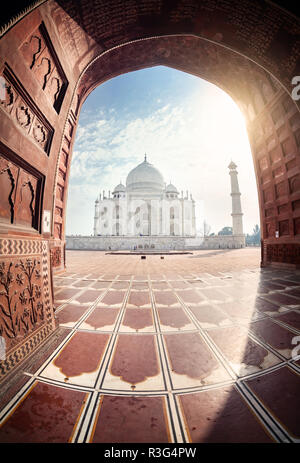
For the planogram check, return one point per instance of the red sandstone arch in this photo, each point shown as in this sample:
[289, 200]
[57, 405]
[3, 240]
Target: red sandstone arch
[53, 56]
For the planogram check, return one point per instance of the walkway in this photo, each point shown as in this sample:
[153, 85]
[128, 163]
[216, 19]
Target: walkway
[189, 348]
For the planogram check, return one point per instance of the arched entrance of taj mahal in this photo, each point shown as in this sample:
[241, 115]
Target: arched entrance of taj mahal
[53, 54]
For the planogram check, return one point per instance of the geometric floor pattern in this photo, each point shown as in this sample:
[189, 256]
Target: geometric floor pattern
[164, 350]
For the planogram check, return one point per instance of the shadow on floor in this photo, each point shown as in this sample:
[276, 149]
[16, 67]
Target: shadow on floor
[210, 254]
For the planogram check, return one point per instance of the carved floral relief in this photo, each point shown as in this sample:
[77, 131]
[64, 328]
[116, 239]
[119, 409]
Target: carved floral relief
[21, 301]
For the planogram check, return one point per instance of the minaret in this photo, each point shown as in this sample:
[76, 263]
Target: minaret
[237, 215]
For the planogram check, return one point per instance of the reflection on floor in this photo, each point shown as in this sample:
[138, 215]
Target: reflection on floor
[173, 350]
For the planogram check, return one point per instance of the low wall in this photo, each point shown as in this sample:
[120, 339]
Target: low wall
[114, 243]
[224, 242]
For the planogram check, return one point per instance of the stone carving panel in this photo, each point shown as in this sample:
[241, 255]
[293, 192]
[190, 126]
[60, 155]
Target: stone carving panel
[268, 195]
[26, 315]
[8, 176]
[55, 256]
[20, 191]
[270, 229]
[25, 199]
[21, 305]
[283, 227]
[281, 189]
[25, 113]
[58, 230]
[42, 59]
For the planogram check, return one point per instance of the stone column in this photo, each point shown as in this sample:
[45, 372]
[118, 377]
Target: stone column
[237, 215]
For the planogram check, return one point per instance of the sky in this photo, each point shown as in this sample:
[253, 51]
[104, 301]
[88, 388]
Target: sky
[190, 130]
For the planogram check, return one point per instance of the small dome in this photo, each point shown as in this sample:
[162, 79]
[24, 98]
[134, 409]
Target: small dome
[145, 176]
[171, 189]
[119, 188]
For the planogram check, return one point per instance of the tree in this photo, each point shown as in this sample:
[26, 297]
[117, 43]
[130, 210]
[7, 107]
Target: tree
[254, 239]
[256, 235]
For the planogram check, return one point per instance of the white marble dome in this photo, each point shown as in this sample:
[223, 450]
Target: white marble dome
[171, 189]
[119, 188]
[145, 177]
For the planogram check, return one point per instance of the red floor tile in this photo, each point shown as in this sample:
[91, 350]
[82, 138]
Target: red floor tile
[88, 296]
[113, 298]
[208, 315]
[239, 310]
[82, 354]
[294, 292]
[221, 416]
[131, 419]
[173, 317]
[262, 305]
[82, 283]
[239, 349]
[291, 318]
[101, 284]
[120, 285]
[160, 285]
[166, 298]
[137, 319]
[140, 286]
[285, 283]
[275, 335]
[47, 414]
[129, 358]
[213, 294]
[101, 317]
[139, 299]
[189, 355]
[283, 299]
[67, 293]
[279, 392]
[179, 285]
[71, 313]
[190, 296]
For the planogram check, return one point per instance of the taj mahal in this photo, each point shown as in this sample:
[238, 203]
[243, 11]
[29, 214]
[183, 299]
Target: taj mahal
[148, 214]
[146, 206]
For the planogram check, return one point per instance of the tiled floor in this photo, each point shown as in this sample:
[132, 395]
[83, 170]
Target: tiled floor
[191, 348]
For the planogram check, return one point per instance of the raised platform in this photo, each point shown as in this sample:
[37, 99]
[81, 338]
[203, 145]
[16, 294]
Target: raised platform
[153, 243]
[151, 253]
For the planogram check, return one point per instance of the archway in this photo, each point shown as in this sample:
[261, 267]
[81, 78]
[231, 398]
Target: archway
[54, 55]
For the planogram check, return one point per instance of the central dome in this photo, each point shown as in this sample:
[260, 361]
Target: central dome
[145, 177]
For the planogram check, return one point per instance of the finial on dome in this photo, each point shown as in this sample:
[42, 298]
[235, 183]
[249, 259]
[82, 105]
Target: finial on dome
[145, 159]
